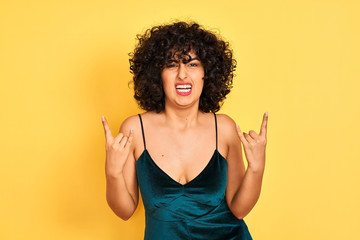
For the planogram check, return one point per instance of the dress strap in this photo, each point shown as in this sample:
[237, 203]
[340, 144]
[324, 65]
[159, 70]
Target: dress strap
[142, 129]
[216, 132]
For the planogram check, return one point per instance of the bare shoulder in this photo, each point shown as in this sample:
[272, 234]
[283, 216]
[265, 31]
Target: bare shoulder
[131, 122]
[226, 123]
[227, 131]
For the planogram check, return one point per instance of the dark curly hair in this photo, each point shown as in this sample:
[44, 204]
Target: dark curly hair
[157, 46]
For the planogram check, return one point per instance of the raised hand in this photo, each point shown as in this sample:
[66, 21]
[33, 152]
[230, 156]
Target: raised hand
[117, 150]
[254, 146]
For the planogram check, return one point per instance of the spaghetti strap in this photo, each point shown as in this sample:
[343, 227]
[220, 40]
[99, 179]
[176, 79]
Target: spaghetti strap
[142, 129]
[216, 132]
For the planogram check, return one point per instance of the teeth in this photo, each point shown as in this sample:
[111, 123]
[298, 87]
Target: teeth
[183, 90]
[183, 86]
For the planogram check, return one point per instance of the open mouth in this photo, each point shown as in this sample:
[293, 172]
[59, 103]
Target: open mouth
[183, 89]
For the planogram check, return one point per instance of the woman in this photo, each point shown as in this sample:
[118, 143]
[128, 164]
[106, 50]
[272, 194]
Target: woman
[186, 160]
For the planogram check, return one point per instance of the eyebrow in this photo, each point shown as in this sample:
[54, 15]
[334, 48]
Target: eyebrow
[176, 61]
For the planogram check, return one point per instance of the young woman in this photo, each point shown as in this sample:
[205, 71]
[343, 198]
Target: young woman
[186, 160]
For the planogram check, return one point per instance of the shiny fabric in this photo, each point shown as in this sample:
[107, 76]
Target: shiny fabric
[195, 210]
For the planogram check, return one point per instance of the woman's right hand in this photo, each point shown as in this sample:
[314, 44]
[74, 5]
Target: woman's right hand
[117, 150]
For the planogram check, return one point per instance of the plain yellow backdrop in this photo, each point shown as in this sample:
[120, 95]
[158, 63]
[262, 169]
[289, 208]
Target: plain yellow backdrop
[64, 64]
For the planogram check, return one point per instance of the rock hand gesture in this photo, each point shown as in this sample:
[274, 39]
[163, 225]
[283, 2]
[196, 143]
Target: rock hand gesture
[254, 146]
[117, 150]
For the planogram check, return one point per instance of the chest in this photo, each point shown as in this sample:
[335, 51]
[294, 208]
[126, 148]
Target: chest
[181, 155]
[160, 190]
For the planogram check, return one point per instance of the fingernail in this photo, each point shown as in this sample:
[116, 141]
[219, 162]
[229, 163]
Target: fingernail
[132, 130]
[237, 126]
[266, 113]
[102, 118]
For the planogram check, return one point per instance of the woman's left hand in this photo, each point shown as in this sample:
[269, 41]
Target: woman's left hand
[254, 146]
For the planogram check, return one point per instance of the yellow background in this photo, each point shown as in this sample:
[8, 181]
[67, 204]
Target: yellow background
[63, 64]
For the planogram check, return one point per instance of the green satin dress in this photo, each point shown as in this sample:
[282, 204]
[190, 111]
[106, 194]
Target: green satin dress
[195, 210]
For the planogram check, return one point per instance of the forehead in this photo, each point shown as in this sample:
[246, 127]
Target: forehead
[182, 55]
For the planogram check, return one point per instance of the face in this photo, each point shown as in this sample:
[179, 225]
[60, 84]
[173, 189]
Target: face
[183, 81]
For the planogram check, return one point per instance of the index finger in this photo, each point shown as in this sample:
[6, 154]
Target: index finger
[107, 130]
[130, 138]
[264, 124]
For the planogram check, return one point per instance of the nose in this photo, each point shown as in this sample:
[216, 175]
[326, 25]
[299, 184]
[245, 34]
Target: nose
[182, 73]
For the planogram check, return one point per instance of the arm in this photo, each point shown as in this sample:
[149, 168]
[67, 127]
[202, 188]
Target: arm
[118, 197]
[243, 189]
[247, 194]
[121, 183]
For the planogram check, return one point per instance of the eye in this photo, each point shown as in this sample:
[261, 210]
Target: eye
[193, 64]
[171, 65]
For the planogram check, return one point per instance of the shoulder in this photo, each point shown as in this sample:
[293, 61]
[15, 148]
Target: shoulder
[227, 129]
[131, 122]
[135, 123]
[225, 122]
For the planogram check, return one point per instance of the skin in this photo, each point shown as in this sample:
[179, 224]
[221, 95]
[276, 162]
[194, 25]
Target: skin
[178, 142]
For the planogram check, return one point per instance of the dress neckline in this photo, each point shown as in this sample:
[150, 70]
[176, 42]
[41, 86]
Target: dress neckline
[172, 179]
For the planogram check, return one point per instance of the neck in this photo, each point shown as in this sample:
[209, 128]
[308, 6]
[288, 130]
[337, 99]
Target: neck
[182, 118]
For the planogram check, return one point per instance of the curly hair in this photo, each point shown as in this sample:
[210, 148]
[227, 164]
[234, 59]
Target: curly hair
[157, 46]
